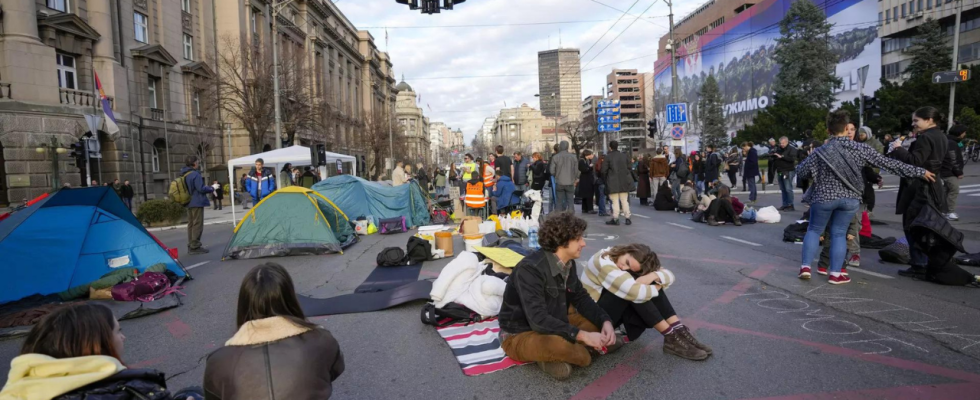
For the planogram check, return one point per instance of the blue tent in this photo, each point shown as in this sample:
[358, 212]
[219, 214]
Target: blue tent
[357, 197]
[71, 238]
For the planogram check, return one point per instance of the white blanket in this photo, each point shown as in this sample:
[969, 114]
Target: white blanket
[462, 281]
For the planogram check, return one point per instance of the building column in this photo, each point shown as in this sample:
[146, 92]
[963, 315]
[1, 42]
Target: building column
[99, 17]
[26, 64]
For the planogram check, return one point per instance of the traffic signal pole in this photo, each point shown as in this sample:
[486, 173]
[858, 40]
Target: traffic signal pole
[956, 46]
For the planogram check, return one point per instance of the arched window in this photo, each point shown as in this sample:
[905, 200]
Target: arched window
[155, 159]
[158, 151]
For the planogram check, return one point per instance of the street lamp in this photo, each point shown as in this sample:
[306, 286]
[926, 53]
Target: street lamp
[55, 149]
[556, 115]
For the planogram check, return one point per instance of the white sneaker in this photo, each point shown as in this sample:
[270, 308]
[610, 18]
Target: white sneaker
[952, 217]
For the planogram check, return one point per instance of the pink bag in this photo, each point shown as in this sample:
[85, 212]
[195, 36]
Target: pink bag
[145, 288]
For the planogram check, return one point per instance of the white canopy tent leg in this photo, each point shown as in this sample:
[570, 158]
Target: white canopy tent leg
[231, 183]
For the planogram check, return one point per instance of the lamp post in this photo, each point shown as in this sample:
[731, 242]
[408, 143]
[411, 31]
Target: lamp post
[276, 8]
[55, 150]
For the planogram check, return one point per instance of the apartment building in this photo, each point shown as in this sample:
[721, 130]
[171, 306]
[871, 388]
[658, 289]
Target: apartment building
[627, 86]
[560, 83]
[898, 20]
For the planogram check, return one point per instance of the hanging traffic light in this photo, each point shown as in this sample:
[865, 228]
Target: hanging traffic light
[871, 107]
[429, 6]
[652, 128]
[78, 152]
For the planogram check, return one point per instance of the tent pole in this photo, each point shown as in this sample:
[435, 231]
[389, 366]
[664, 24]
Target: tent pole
[231, 183]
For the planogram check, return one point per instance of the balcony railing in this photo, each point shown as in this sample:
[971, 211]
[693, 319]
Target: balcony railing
[5, 91]
[76, 97]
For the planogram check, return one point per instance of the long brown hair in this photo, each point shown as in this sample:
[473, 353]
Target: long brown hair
[268, 291]
[649, 262]
[74, 331]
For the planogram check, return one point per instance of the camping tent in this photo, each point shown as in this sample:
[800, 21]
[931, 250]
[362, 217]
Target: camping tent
[276, 159]
[71, 238]
[358, 197]
[290, 221]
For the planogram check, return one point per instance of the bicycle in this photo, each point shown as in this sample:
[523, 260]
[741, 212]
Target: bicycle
[972, 153]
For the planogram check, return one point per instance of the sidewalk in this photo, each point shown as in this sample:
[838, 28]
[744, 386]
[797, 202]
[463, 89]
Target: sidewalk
[211, 217]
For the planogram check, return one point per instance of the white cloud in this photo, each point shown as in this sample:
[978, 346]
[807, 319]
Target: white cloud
[468, 50]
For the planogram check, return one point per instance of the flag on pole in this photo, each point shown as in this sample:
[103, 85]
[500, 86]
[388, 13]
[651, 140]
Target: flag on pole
[110, 119]
[427, 105]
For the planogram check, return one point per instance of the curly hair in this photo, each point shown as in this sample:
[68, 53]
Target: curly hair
[648, 260]
[559, 229]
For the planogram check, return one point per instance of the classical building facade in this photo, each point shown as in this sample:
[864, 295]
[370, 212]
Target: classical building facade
[416, 147]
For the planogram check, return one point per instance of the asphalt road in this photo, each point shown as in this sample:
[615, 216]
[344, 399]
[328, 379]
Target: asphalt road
[882, 336]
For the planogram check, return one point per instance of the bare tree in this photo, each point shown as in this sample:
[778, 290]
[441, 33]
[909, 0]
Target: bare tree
[300, 109]
[582, 134]
[375, 139]
[245, 88]
[480, 148]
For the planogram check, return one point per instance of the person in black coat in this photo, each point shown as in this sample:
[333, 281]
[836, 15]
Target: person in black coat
[664, 201]
[539, 172]
[586, 181]
[643, 182]
[952, 169]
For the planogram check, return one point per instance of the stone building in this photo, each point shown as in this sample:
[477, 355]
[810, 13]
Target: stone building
[416, 147]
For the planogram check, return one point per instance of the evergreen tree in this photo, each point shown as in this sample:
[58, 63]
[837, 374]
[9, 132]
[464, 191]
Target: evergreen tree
[806, 61]
[710, 113]
[930, 51]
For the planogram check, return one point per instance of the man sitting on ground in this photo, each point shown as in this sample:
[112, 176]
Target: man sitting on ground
[548, 316]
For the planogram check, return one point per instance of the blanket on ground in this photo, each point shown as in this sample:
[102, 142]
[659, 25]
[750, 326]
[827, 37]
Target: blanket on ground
[477, 347]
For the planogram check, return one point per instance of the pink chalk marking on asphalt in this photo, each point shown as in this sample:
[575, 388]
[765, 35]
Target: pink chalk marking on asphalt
[432, 274]
[178, 329]
[960, 391]
[148, 363]
[739, 288]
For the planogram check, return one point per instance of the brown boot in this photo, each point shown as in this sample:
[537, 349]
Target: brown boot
[557, 370]
[686, 334]
[675, 344]
[712, 221]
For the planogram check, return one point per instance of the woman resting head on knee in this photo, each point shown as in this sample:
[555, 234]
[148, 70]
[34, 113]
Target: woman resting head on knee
[276, 352]
[628, 282]
[76, 353]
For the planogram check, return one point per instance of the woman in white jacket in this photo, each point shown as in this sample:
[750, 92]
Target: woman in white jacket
[628, 282]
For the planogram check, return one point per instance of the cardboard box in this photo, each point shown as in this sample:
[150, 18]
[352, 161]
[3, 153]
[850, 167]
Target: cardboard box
[470, 225]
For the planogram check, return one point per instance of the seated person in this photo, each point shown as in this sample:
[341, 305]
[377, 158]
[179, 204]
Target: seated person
[665, 198]
[688, 200]
[276, 353]
[721, 209]
[628, 284]
[475, 198]
[547, 315]
[76, 353]
[502, 195]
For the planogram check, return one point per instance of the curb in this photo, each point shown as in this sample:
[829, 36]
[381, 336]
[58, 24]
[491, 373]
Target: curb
[206, 223]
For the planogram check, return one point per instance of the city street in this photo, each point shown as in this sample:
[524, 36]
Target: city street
[882, 336]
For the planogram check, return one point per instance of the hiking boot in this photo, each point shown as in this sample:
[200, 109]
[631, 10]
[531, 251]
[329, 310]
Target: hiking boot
[855, 261]
[687, 335]
[839, 280]
[822, 270]
[200, 250]
[557, 370]
[675, 344]
[804, 273]
[612, 222]
[712, 221]
[913, 272]
[738, 222]
[629, 222]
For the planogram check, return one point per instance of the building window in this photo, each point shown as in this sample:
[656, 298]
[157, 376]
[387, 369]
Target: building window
[141, 33]
[880, 19]
[60, 5]
[888, 17]
[152, 92]
[903, 11]
[891, 71]
[895, 13]
[928, 4]
[969, 52]
[254, 20]
[920, 6]
[154, 158]
[66, 71]
[196, 103]
[188, 47]
[185, 6]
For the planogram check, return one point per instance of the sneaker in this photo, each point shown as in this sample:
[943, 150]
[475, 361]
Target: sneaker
[629, 222]
[612, 222]
[790, 208]
[620, 342]
[738, 222]
[602, 214]
[952, 217]
[839, 280]
[675, 344]
[712, 221]
[198, 251]
[557, 370]
[804, 273]
[686, 334]
[855, 261]
[822, 270]
[843, 270]
[913, 272]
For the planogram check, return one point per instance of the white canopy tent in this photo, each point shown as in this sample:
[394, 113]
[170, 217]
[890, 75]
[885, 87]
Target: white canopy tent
[295, 155]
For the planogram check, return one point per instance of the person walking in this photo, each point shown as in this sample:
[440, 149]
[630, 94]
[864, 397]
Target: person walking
[219, 195]
[784, 159]
[643, 180]
[520, 171]
[586, 181]
[600, 186]
[834, 196]
[195, 209]
[564, 169]
[952, 169]
[659, 170]
[127, 195]
[733, 164]
[750, 170]
[619, 180]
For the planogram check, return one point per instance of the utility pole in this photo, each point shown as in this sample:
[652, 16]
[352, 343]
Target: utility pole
[862, 75]
[956, 46]
[276, 9]
[673, 59]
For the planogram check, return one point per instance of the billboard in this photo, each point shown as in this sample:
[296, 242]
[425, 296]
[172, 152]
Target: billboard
[739, 55]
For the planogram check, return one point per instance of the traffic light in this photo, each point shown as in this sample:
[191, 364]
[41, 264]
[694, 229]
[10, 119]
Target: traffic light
[78, 152]
[652, 128]
[871, 107]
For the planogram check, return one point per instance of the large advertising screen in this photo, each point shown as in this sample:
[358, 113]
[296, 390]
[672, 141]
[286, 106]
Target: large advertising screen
[739, 54]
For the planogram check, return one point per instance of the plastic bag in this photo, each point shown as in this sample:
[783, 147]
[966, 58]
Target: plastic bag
[768, 215]
[488, 227]
[372, 229]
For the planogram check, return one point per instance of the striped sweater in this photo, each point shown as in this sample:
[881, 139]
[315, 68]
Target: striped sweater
[602, 273]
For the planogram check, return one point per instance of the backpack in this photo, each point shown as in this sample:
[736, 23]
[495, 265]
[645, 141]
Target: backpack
[418, 250]
[794, 233]
[145, 288]
[440, 217]
[392, 225]
[391, 257]
[178, 190]
[449, 314]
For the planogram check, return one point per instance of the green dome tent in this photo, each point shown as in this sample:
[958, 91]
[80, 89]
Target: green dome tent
[291, 221]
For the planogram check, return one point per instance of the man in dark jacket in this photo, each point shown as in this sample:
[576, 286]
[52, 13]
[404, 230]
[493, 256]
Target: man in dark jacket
[564, 169]
[261, 181]
[784, 161]
[195, 209]
[619, 180]
[547, 316]
[712, 163]
[952, 169]
[308, 179]
[127, 195]
[520, 171]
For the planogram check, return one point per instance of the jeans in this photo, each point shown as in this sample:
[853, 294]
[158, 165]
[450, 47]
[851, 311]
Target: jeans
[752, 190]
[552, 195]
[128, 201]
[697, 185]
[733, 176]
[532, 346]
[786, 186]
[636, 317]
[838, 215]
[601, 197]
[620, 200]
[566, 198]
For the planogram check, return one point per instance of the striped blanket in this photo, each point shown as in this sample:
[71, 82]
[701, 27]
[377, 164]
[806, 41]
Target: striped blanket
[477, 347]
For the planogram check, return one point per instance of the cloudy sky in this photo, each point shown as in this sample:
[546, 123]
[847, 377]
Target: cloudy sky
[466, 63]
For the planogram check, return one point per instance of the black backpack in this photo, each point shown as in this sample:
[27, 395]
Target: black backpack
[391, 257]
[451, 313]
[794, 233]
[418, 250]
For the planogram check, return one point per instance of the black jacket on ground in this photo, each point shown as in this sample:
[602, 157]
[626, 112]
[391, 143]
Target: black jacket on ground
[786, 163]
[536, 299]
[128, 384]
[953, 162]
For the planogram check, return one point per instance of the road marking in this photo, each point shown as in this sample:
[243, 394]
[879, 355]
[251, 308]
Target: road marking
[970, 191]
[196, 265]
[741, 241]
[638, 215]
[680, 226]
[872, 273]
